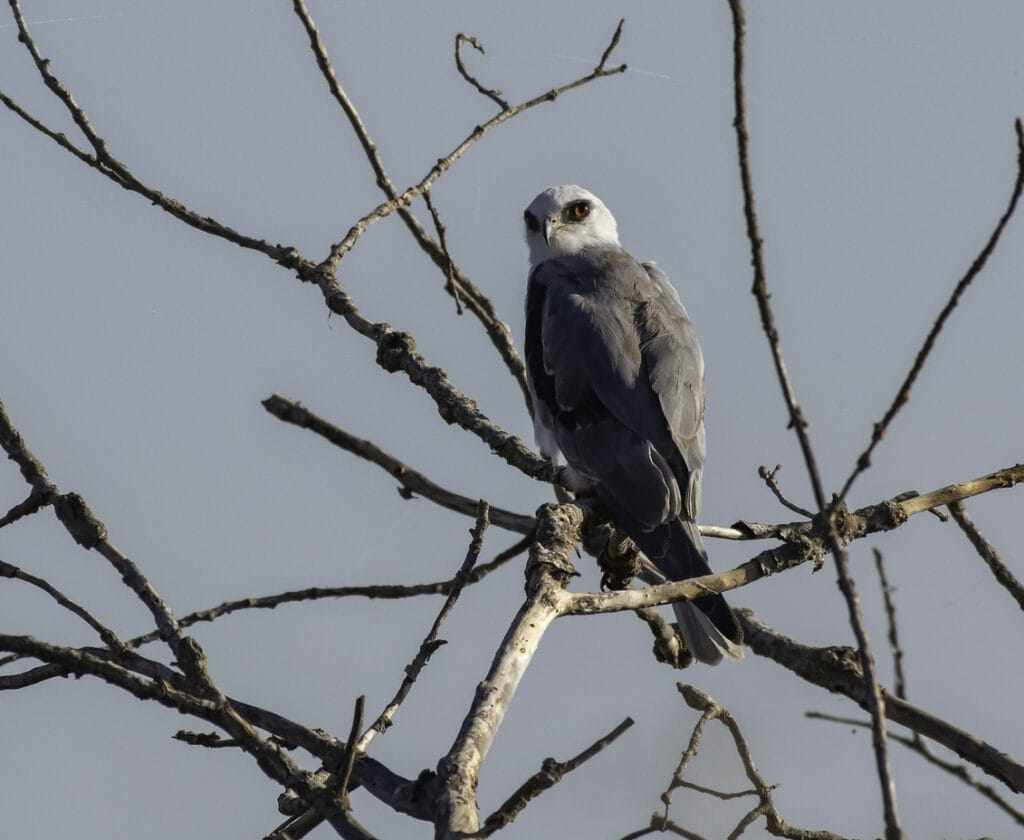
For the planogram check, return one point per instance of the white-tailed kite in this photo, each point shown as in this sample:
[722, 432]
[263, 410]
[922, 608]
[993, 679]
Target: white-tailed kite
[617, 379]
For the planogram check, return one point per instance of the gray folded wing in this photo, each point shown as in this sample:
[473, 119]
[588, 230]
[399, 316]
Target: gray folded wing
[617, 371]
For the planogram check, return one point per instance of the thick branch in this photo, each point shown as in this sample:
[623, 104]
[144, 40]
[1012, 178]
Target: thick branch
[803, 542]
[457, 811]
[557, 535]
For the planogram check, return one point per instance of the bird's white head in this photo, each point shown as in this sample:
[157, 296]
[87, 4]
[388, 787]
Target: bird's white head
[566, 220]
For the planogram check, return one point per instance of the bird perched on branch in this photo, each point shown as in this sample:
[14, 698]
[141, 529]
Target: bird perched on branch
[617, 379]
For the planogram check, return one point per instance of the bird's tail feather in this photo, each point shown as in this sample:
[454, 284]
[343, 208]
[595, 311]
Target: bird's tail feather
[707, 624]
[705, 641]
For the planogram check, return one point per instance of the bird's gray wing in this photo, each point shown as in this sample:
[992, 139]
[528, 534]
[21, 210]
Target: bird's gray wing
[594, 356]
[676, 370]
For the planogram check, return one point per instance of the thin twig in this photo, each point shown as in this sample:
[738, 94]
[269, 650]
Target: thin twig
[550, 774]
[57, 137]
[89, 532]
[660, 825]
[493, 95]
[445, 163]
[106, 164]
[107, 635]
[768, 477]
[209, 740]
[394, 591]
[431, 642]
[987, 552]
[918, 745]
[351, 749]
[412, 482]
[451, 278]
[903, 394]
[304, 823]
[690, 753]
[712, 710]
[899, 679]
[35, 502]
[55, 86]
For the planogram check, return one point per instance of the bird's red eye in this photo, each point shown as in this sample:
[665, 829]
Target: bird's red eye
[580, 210]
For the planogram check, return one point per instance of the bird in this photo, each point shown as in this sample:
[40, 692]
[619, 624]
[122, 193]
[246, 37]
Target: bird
[616, 376]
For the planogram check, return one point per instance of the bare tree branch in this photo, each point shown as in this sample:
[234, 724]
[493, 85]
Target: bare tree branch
[711, 710]
[918, 745]
[443, 164]
[316, 593]
[106, 164]
[107, 635]
[768, 477]
[838, 670]
[291, 411]
[493, 95]
[432, 642]
[447, 798]
[660, 825]
[396, 351]
[35, 502]
[804, 541]
[799, 425]
[450, 274]
[89, 532]
[302, 825]
[152, 680]
[903, 395]
[550, 774]
[988, 553]
[899, 679]
[457, 810]
[478, 303]
[557, 535]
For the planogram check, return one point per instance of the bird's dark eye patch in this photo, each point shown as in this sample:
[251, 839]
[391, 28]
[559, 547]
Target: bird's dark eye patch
[531, 221]
[577, 211]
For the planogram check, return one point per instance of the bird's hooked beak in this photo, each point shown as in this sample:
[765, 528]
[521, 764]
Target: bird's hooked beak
[551, 227]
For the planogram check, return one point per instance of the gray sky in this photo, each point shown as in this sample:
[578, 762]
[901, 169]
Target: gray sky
[135, 353]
